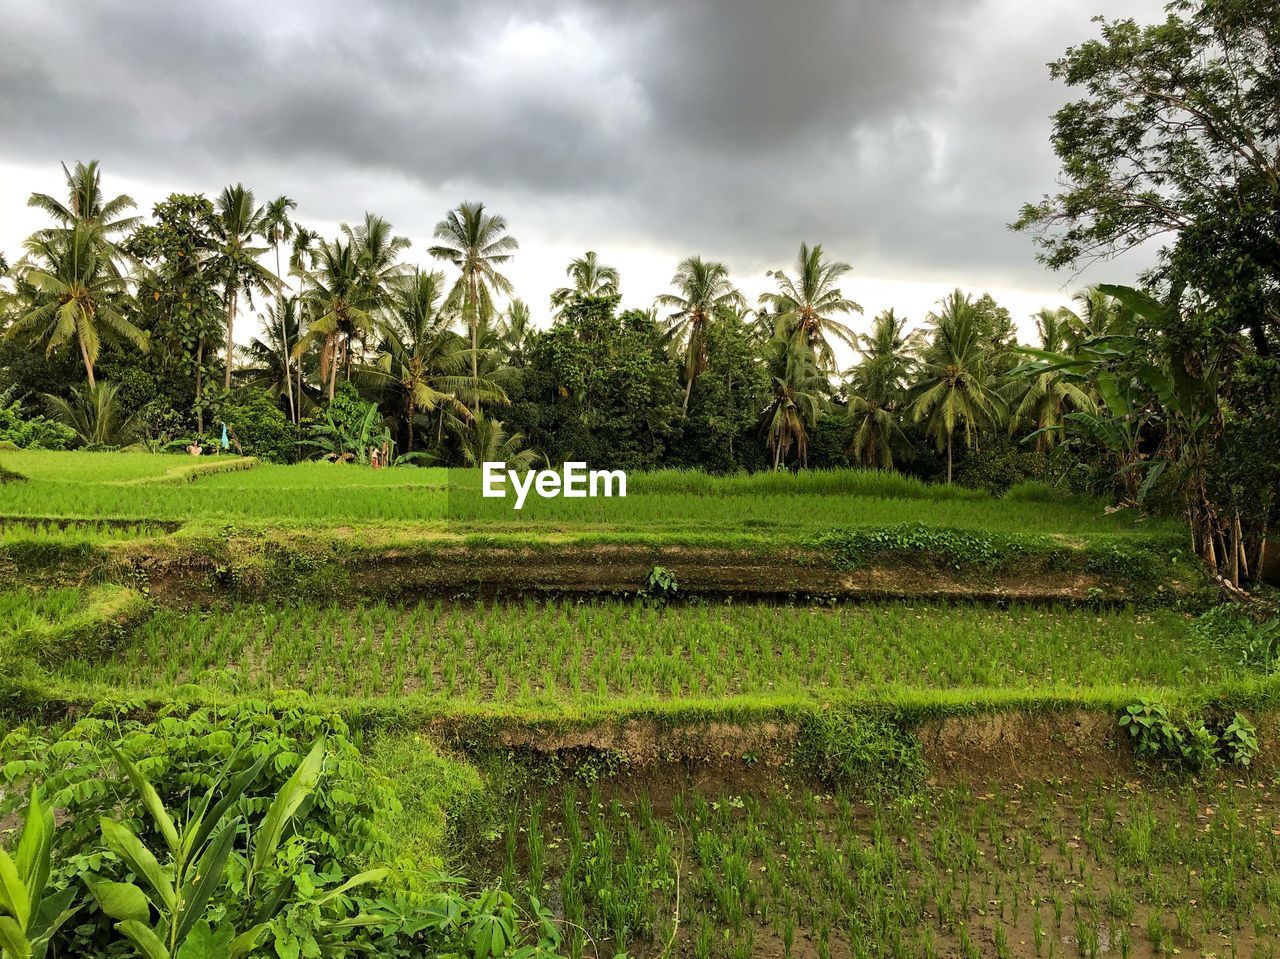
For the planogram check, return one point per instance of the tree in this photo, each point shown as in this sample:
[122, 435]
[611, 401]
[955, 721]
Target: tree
[513, 329]
[1042, 397]
[486, 440]
[180, 288]
[86, 206]
[277, 228]
[704, 290]
[420, 360]
[797, 387]
[954, 389]
[477, 244]
[337, 289]
[590, 278]
[1174, 140]
[270, 356]
[238, 222]
[96, 415]
[878, 390]
[806, 305]
[80, 297]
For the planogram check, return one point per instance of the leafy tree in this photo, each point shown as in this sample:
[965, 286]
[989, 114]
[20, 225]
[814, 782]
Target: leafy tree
[238, 221]
[590, 278]
[342, 303]
[878, 391]
[1174, 140]
[79, 296]
[513, 330]
[704, 292]
[955, 388]
[477, 244]
[179, 288]
[259, 428]
[597, 387]
[807, 304]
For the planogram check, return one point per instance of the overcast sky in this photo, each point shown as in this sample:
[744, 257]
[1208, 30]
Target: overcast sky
[903, 136]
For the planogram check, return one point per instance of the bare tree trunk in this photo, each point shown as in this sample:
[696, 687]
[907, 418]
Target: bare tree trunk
[284, 336]
[88, 364]
[233, 294]
[199, 385]
[948, 459]
[687, 391]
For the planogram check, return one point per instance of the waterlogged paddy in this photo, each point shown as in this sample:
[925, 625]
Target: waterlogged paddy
[565, 651]
[1039, 869]
[106, 485]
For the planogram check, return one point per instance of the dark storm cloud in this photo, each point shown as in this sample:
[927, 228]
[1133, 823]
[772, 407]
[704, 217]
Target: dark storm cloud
[905, 133]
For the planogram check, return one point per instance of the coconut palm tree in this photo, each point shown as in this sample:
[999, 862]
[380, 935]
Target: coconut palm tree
[77, 295]
[797, 390]
[86, 204]
[338, 296]
[239, 221]
[378, 250]
[420, 359]
[806, 306]
[301, 258]
[704, 292]
[277, 228]
[96, 415]
[878, 390]
[954, 387]
[590, 278]
[513, 329]
[477, 244]
[269, 357]
[485, 440]
[1045, 396]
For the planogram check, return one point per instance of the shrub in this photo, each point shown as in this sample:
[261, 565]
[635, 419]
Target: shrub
[845, 748]
[1198, 744]
[261, 429]
[34, 432]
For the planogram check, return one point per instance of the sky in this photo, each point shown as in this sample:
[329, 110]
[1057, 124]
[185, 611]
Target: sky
[902, 136]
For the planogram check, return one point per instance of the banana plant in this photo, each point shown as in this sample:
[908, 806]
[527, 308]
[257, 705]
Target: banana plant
[30, 916]
[180, 890]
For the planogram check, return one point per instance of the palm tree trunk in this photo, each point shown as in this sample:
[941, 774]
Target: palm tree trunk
[409, 447]
[687, 391]
[948, 459]
[199, 383]
[88, 363]
[284, 336]
[473, 291]
[233, 294]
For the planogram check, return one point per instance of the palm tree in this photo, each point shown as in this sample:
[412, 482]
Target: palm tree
[421, 358]
[878, 388]
[1044, 395]
[705, 290]
[277, 228]
[378, 250]
[238, 222]
[513, 329]
[485, 440]
[301, 259]
[270, 356]
[336, 290]
[590, 278]
[86, 204]
[96, 415]
[954, 387]
[78, 295]
[806, 306]
[797, 388]
[477, 244]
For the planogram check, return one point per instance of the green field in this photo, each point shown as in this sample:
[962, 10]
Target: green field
[671, 773]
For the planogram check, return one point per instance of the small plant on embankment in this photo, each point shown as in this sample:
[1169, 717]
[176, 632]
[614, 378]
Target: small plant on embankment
[869, 753]
[1194, 743]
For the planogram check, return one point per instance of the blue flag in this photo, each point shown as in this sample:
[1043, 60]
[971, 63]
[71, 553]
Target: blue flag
[225, 443]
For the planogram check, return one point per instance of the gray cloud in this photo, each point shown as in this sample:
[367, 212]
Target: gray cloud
[902, 135]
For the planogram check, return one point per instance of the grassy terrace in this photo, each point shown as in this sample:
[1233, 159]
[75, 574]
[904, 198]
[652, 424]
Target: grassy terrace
[566, 653]
[94, 486]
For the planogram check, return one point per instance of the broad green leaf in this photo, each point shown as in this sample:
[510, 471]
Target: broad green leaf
[140, 859]
[35, 850]
[150, 799]
[13, 940]
[371, 875]
[120, 900]
[247, 941]
[209, 874]
[286, 803]
[142, 936]
[13, 891]
[204, 942]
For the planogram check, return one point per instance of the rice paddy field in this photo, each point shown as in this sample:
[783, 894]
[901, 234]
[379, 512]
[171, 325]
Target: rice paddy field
[672, 774]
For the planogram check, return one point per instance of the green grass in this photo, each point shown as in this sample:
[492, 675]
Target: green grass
[1035, 870]
[577, 653]
[124, 486]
